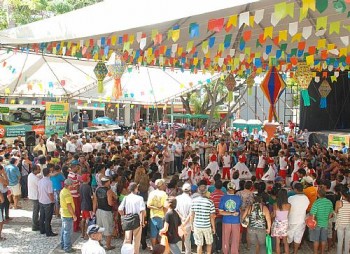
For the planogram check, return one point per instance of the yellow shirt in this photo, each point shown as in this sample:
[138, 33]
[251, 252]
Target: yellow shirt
[66, 198]
[157, 198]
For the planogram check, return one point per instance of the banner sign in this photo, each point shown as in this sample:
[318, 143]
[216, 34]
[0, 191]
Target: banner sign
[335, 140]
[7, 131]
[56, 118]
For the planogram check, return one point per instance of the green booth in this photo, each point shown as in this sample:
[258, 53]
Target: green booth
[239, 124]
[254, 123]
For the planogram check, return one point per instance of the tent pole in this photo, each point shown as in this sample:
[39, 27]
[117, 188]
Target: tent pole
[172, 112]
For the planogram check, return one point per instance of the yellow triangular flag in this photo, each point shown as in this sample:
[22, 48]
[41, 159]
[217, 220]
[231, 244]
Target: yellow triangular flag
[343, 52]
[205, 47]
[321, 43]
[247, 51]
[170, 34]
[149, 51]
[280, 10]
[309, 4]
[251, 21]
[347, 27]
[296, 37]
[310, 60]
[268, 32]
[282, 35]
[189, 46]
[232, 21]
[131, 38]
[334, 27]
[175, 35]
[221, 47]
[154, 34]
[113, 40]
[290, 10]
[302, 14]
[179, 51]
[321, 23]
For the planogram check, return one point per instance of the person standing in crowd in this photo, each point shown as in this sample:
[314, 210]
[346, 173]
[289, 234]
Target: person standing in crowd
[156, 202]
[25, 168]
[92, 246]
[172, 226]
[33, 194]
[57, 180]
[86, 197]
[177, 149]
[342, 225]
[67, 216]
[3, 183]
[133, 204]
[203, 220]
[40, 147]
[259, 225]
[46, 203]
[296, 217]
[14, 177]
[85, 119]
[229, 208]
[322, 210]
[215, 197]
[5, 204]
[75, 122]
[221, 149]
[74, 190]
[280, 224]
[310, 190]
[183, 209]
[103, 203]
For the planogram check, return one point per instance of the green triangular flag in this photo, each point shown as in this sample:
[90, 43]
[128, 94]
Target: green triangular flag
[321, 5]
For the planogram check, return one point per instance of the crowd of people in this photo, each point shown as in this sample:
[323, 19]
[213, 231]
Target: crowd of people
[221, 190]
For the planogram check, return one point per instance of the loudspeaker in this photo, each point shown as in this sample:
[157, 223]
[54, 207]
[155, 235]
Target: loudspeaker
[30, 138]
[181, 133]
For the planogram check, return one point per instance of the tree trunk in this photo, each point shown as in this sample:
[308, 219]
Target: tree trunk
[186, 104]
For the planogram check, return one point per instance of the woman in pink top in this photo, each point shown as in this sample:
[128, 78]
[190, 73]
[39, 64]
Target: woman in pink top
[280, 224]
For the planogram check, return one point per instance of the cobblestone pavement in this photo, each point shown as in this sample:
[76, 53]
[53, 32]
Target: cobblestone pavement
[21, 239]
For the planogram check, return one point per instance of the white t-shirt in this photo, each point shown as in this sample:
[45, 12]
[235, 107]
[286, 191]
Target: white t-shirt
[183, 205]
[92, 247]
[226, 161]
[33, 193]
[283, 163]
[87, 148]
[133, 204]
[299, 204]
[262, 162]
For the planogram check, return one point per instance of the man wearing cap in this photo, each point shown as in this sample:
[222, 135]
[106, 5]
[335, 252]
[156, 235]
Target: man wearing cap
[155, 203]
[92, 246]
[203, 220]
[46, 203]
[67, 216]
[133, 204]
[74, 190]
[103, 202]
[183, 209]
[310, 190]
[230, 209]
[14, 176]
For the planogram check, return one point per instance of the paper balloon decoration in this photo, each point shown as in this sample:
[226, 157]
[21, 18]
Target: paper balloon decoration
[272, 86]
[100, 71]
[303, 76]
[116, 66]
[230, 83]
[324, 91]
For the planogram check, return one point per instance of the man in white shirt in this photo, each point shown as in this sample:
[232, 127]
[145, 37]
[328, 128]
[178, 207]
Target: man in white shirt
[296, 218]
[183, 208]
[92, 246]
[133, 204]
[87, 147]
[50, 145]
[33, 179]
[177, 149]
[71, 145]
[263, 134]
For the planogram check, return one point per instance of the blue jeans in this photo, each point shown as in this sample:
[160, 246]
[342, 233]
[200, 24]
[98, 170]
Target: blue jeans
[66, 234]
[178, 164]
[175, 247]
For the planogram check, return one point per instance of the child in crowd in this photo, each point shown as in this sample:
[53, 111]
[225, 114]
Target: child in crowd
[213, 164]
[270, 175]
[226, 164]
[261, 166]
[283, 163]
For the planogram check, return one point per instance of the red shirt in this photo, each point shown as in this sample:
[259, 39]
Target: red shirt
[215, 197]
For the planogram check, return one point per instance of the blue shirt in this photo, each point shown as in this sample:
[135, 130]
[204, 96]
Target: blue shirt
[13, 174]
[230, 203]
[57, 181]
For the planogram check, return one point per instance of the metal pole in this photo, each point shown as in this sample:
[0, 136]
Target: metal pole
[255, 104]
[172, 112]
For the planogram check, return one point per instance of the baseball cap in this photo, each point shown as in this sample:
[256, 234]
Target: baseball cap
[74, 162]
[92, 229]
[231, 186]
[105, 179]
[85, 177]
[186, 187]
[159, 182]
[68, 182]
[308, 179]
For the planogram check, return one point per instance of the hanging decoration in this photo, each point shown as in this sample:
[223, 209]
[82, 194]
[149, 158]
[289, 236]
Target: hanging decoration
[324, 91]
[116, 67]
[100, 71]
[250, 82]
[303, 76]
[230, 83]
[272, 86]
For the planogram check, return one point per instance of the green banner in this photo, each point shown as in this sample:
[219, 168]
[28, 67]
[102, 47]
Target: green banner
[56, 118]
[4, 110]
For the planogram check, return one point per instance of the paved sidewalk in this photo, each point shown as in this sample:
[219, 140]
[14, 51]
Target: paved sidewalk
[21, 239]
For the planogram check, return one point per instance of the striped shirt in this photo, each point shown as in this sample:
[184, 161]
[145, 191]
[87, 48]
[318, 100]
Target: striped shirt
[321, 209]
[202, 208]
[216, 197]
[76, 183]
[343, 217]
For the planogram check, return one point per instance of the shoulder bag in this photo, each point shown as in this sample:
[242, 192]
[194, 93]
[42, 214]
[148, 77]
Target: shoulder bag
[130, 221]
[245, 220]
